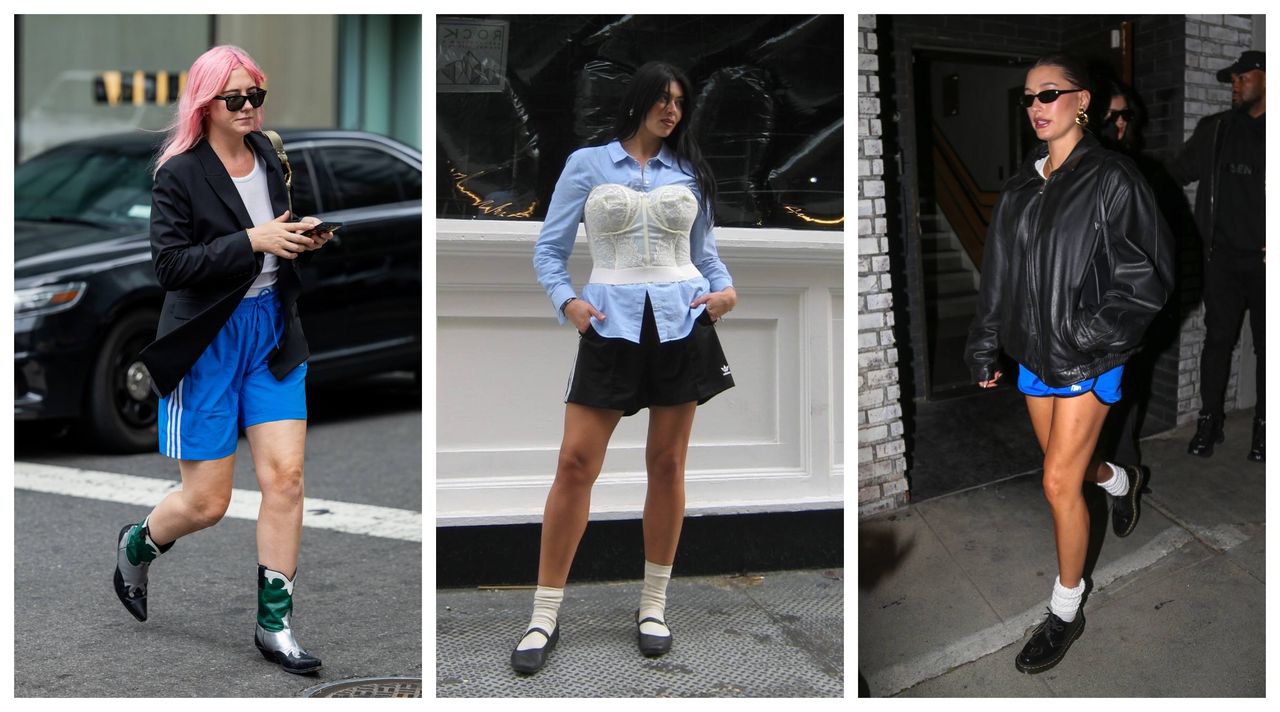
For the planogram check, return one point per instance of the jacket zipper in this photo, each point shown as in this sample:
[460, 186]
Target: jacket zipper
[1031, 272]
[1218, 132]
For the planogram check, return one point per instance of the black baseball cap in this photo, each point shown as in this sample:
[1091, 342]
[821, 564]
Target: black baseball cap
[1251, 59]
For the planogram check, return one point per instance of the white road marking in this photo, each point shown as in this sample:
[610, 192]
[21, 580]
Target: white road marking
[897, 678]
[369, 520]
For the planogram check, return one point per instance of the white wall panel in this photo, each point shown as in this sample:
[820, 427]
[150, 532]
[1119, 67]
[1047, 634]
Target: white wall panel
[771, 443]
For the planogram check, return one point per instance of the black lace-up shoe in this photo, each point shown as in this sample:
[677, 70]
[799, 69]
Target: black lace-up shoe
[1124, 509]
[1208, 433]
[1257, 453]
[1049, 643]
[530, 661]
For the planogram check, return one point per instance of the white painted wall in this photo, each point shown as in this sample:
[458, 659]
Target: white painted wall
[773, 443]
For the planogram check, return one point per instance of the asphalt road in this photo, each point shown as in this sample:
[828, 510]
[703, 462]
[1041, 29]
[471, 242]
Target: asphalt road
[358, 601]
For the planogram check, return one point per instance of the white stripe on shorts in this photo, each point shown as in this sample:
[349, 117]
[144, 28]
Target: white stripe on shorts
[175, 423]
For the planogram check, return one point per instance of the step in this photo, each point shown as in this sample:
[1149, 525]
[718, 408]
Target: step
[935, 262]
[939, 242]
[954, 282]
[953, 306]
[934, 223]
[951, 327]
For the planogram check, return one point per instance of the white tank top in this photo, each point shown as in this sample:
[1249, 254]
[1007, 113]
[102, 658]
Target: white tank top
[640, 237]
[257, 201]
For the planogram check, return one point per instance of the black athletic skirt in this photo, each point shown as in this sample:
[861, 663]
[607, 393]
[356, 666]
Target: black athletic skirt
[620, 375]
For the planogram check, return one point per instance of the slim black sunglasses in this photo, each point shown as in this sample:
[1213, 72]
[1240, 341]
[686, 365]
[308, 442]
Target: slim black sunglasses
[1126, 114]
[1048, 96]
[235, 102]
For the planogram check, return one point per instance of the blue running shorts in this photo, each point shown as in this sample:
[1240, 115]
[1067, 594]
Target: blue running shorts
[230, 386]
[1106, 387]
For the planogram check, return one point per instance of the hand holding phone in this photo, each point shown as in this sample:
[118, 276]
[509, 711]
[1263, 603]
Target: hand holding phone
[322, 227]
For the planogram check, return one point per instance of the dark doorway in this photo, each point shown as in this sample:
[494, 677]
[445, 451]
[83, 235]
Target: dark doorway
[969, 138]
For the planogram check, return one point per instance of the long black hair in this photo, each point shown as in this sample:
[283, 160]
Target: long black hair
[650, 83]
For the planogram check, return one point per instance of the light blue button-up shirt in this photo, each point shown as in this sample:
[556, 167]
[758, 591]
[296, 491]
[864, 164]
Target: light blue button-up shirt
[623, 304]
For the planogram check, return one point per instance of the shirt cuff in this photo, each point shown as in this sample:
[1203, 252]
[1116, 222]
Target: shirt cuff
[720, 284]
[558, 295]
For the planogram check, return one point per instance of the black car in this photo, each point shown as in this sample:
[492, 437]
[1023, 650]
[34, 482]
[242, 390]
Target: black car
[87, 299]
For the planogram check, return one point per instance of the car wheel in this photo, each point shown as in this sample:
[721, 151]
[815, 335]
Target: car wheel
[122, 408]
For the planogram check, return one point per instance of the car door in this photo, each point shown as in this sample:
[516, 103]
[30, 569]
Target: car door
[322, 307]
[377, 195]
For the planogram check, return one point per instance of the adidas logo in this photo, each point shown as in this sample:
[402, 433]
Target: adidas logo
[724, 370]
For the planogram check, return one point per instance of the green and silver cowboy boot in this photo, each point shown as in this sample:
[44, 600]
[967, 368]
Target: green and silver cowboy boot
[274, 636]
[134, 553]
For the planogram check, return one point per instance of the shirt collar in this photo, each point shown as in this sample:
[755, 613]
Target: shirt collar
[617, 153]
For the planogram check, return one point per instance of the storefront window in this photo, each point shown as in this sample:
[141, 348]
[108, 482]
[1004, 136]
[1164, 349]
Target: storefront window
[515, 95]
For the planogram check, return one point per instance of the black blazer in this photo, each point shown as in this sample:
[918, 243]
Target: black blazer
[203, 258]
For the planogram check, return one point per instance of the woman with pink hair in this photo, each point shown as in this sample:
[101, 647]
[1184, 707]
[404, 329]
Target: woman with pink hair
[229, 352]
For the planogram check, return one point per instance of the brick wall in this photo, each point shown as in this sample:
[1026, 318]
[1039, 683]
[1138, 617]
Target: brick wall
[1212, 42]
[882, 466]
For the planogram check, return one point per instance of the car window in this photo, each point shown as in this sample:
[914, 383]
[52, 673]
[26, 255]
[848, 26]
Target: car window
[304, 189]
[362, 176]
[84, 184]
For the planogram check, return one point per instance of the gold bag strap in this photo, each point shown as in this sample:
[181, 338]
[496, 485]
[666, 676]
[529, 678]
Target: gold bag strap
[288, 170]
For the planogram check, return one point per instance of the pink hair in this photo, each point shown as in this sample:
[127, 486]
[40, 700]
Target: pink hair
[205, 80]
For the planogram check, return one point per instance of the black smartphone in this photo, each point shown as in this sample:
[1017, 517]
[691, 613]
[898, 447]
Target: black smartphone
[322, 227]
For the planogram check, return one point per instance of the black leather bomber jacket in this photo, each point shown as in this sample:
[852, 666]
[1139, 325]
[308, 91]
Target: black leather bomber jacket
[1075, 268]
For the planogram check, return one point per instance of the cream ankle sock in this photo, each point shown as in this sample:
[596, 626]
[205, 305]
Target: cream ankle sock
[653, 598]
[546, 608]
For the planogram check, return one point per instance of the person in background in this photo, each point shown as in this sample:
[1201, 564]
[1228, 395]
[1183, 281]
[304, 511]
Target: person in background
[1227, 155]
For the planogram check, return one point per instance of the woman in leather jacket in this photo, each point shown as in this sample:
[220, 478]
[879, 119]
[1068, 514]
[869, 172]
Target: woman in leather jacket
[1077, 262]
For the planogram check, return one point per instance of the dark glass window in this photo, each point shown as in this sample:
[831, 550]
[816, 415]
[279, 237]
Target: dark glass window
[363, 176]
[96, 184]
[304, 190]
[766, 109]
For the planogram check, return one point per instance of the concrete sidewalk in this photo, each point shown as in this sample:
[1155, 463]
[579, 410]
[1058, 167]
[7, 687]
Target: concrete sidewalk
[949, 588]
[779, 634]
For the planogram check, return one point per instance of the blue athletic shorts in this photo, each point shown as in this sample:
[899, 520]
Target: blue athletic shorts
[1106, 387]
[230, 386]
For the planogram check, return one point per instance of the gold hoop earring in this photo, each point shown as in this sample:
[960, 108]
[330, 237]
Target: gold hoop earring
[1082, 119]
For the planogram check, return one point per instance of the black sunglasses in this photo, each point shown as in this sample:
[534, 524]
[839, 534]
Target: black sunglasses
[1126, 114]
[1048, 96]
[235, 102]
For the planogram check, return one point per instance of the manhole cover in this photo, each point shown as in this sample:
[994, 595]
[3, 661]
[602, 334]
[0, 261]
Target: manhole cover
[368, 687]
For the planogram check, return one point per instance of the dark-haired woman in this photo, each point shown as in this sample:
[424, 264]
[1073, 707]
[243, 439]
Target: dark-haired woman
[1122, 123]
[646, 335]
[1077, 262]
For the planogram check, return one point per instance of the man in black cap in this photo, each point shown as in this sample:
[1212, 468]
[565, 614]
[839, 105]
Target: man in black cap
[1227, 155]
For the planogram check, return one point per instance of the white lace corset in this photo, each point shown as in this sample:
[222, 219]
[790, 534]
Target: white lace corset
[640, 237]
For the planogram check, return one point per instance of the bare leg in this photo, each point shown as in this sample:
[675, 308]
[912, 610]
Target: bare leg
[666, 447]
[586, 437]
[278, 448]
[1041, 410]
[203, 499]
[1072, 439]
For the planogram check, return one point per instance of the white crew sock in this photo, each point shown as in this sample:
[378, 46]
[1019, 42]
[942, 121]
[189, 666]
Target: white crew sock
[1066, 601]
[1118, 485]
[653, 598]
[546, 607]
